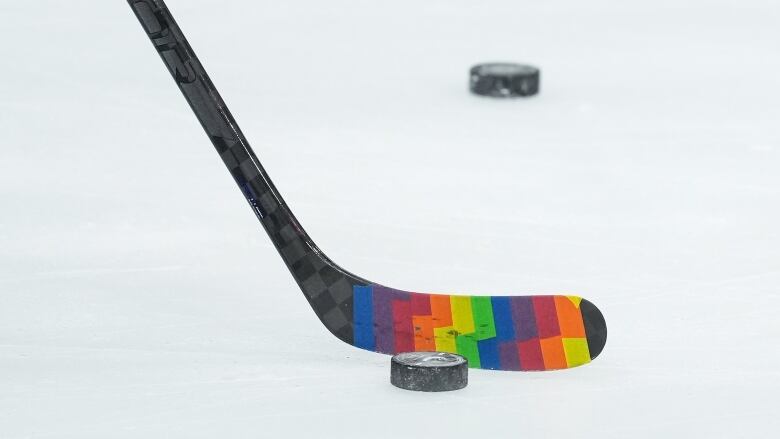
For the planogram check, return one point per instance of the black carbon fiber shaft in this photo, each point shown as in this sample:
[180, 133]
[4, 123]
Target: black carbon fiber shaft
[327, 287]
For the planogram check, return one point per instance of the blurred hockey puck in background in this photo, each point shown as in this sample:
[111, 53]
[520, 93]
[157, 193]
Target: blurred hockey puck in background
[504, 80]
[429, 371]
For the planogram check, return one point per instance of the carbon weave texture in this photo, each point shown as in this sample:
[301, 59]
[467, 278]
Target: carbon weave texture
[327, 287]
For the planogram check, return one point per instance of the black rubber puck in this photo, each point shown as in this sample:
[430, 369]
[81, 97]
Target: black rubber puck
[504, 80]
[429, 371]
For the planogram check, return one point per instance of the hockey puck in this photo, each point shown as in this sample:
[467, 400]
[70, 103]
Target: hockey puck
[429, 371]
[504, 80]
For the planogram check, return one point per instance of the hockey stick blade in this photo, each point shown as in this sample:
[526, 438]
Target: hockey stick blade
[506, 333]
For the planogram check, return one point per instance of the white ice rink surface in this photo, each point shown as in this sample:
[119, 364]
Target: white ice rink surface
[140, 298]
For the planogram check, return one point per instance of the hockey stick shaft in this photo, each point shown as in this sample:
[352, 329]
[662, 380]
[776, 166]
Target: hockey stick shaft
[222, 129]
[195, 84]
[327, 287]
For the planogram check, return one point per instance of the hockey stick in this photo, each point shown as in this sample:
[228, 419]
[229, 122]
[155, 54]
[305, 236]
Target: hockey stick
[507, 333]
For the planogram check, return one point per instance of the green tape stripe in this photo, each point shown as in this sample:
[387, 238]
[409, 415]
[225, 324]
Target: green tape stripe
[467, 346]
[484, 328]
[482, 310]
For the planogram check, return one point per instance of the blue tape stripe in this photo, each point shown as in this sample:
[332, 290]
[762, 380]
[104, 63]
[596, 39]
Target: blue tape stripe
[502, 316]
[488, 354]
[363, 315]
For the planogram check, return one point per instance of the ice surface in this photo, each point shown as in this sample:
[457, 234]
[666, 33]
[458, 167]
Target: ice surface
[139, 297]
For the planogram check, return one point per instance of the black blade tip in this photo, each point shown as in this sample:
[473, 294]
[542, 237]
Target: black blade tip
[595, 328]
